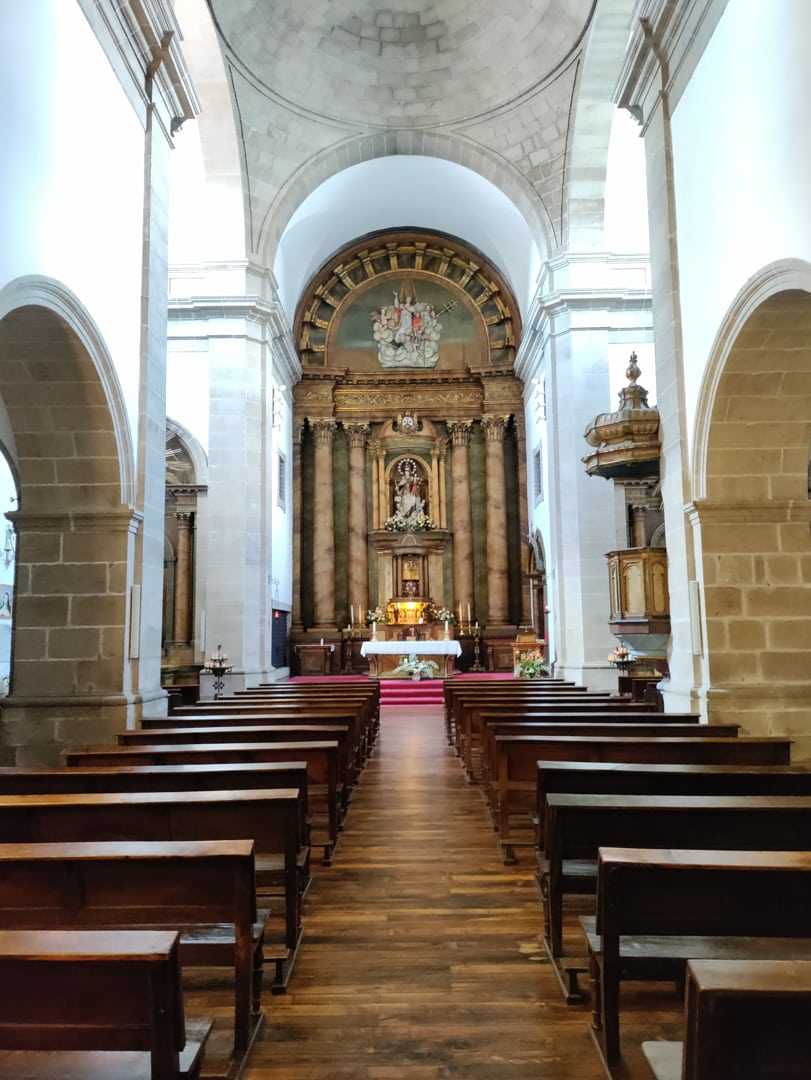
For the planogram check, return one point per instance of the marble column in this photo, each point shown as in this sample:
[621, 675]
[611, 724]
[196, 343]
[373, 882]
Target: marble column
[183, 580]
[298, 435]
[638, 526]
[323, 526]
[358, 587]
[459, 431]
[497, 557]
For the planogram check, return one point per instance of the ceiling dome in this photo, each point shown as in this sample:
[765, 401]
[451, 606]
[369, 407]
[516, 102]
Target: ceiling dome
[418, 63]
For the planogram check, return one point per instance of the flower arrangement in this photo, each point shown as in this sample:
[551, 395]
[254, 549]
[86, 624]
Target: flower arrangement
[530, 665]
[374, 615]
[400, 523]
[444, 614]
[421, 669]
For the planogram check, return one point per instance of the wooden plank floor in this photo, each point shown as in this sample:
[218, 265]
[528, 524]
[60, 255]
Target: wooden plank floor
[421, 954]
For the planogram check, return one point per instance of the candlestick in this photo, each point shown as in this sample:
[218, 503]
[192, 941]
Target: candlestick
[351, 614]
[446, 629]
[468, 614]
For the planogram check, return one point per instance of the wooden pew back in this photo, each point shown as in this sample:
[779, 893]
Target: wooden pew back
[116, 991]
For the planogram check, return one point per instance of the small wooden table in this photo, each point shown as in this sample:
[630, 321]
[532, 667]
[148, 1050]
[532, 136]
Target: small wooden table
[315, 659]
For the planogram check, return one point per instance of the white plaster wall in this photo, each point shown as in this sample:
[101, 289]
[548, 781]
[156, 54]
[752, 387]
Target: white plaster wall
[397, 192]
[72, 206]
[742, 158]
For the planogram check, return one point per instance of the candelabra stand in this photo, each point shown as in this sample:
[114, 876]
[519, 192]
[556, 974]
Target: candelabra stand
[477, 635]
[350, 634]
[218, 667]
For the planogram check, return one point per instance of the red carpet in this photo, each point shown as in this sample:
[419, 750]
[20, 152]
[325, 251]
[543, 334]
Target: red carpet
[408, 692]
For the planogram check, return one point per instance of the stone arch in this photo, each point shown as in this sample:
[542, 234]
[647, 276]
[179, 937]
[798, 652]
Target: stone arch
[75, 523]
[752, 519]
[444, 145]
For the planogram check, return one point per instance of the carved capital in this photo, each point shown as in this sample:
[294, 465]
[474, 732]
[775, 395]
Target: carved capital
[323, 431]
[494, 427]
[183, 520]
[356, 435]
[459, 431]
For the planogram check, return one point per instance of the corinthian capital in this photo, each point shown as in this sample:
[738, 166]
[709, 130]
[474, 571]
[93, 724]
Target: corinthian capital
[494, 427]
[459, 431]
[323, 431]
[356, 435]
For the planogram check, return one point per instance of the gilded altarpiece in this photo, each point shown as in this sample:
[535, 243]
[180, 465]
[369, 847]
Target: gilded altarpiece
[409, 482]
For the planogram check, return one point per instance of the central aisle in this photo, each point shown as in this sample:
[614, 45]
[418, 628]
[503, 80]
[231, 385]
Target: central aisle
[421, 954]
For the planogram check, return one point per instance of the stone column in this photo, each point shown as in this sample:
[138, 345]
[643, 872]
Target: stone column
[638, 526]
[358, 518]
[323, 526]
[497, 580]
[459, 431]
[183, 579]
[523, 514]
[439, 454]
[298, 434]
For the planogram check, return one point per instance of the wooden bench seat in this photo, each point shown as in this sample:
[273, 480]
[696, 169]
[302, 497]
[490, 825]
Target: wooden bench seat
[515, 767]
[641, 778]
[205, 890]
[127, 1023]
[268, 817]
[657, 908]
[746, 1019]
[268, 733]
[325, 788]
[268, 716]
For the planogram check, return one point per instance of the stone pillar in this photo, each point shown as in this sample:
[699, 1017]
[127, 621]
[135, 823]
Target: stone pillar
[459, 431]
[497, 557]
[323, 527]
[298, 434]
[183, 581]
[523, 515]
[358, 519]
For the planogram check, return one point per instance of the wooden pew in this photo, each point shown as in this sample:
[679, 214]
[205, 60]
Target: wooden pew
[127, 1023]
[325, 787]
[216, 777]
[204, 890]
[578, 825]
[459, 695]
[264, 716]
[260, 733]
[515, 765]
[645, 726]
[469, 724]
[269, 817]
[746, 1019]
[641, 778]
[658, 908]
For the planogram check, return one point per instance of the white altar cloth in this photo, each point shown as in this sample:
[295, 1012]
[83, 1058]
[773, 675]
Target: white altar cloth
[411, 648]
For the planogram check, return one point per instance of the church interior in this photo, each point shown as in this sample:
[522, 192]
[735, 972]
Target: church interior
[344, 344]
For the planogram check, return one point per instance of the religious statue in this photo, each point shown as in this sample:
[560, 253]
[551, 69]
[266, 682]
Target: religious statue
[408, 503]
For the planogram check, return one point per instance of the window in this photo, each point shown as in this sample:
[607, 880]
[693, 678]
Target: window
[281, 481]
[537, 474]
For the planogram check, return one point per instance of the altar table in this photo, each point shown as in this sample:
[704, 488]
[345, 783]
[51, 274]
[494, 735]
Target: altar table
[373, 649]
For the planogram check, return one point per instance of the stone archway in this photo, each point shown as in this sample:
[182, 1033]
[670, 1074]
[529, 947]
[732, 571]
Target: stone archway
[752, 524]
[75, 532]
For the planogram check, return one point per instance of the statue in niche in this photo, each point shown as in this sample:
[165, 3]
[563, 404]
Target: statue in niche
[408, 503]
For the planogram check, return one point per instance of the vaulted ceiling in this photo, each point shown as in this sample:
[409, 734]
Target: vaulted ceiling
[321, 86]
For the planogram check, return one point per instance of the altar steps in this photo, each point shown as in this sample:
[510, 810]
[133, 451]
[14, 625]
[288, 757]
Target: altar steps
[410, 692]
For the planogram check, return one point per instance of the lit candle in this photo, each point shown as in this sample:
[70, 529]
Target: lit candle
[468, 613]
[351, 614]
[460, 615]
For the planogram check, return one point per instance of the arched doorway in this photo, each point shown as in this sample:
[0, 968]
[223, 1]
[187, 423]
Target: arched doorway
[753, 525]
[75, 533]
